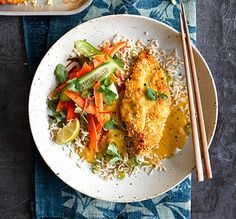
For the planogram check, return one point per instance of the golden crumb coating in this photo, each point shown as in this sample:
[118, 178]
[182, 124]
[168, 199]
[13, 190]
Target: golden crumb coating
[144, 118]
[11, 1]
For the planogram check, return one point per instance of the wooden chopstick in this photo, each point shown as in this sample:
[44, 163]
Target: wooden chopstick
[196, 144]
[200, 117]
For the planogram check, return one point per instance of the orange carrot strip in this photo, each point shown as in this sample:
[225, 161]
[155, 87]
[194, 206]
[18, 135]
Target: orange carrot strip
[99, 104]
[96, 63]
[101, 58]
[93, 144]
[85, 69]
[98, 101]
[80, 101]
[97, 85]
[77, 73]
[117, 47]
[106, 48]
[101, 124]
[60, 105]
[114, 79]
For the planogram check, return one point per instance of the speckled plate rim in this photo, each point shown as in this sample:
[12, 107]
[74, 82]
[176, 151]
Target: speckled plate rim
[208, 71]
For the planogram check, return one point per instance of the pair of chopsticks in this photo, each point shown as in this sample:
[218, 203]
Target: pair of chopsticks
[191, 96]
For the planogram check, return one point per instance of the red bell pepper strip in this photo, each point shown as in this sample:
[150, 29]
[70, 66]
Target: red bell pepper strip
[85, 105]
[70, 112]
[73, 70]
[97, 123]
[108, 113]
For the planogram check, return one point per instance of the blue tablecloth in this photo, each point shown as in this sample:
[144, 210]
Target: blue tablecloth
[54, 199]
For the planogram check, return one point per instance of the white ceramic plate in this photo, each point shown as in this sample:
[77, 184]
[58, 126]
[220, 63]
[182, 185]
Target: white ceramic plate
[81, 178]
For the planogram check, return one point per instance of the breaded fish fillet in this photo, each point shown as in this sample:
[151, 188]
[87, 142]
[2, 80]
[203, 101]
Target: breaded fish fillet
[144, 118]
[11, 1]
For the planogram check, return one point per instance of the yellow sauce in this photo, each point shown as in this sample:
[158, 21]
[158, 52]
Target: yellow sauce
[174, 135]
[87, 155]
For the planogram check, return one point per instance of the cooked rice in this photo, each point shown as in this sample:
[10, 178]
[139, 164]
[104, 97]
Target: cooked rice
[172, 65]
[53, 127]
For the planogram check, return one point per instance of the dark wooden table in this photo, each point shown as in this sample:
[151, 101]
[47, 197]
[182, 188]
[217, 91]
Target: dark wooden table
[216, 39]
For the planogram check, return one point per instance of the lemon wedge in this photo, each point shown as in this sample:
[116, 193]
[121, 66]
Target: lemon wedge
[68, 133]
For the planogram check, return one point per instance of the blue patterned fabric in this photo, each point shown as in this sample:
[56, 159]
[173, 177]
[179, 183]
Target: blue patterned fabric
[54, 199]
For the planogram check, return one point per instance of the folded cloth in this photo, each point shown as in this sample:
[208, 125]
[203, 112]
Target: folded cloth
[53, 198]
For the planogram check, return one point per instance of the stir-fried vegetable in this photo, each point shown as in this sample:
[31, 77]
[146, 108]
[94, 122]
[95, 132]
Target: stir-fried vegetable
[88, 80]
[86, 83]
[90, 51]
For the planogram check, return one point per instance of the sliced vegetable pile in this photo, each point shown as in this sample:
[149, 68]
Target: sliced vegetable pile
[82, 92]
